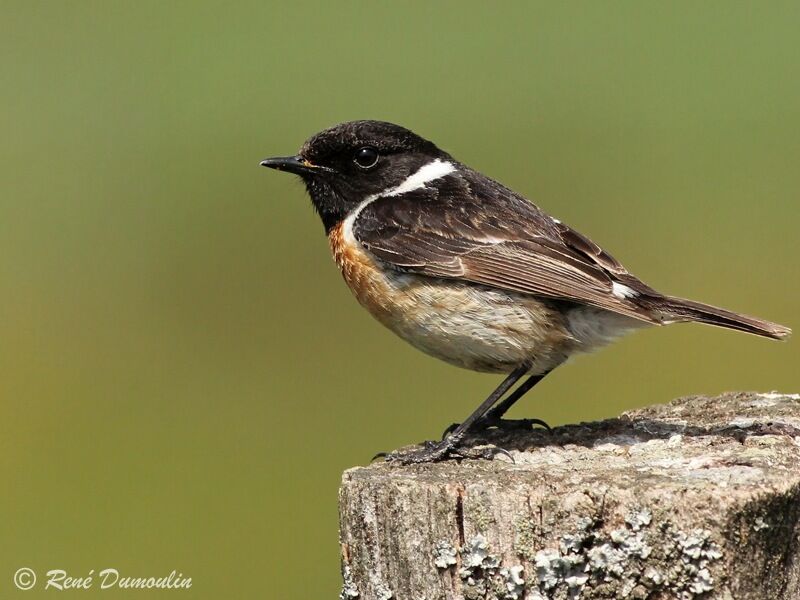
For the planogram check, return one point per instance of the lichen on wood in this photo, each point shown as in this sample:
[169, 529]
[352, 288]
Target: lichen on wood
[697, 498]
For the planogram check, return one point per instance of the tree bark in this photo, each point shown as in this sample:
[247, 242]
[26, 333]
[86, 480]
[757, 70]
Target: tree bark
[698, 498]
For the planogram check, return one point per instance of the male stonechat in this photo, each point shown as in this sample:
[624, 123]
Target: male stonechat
[470, 272]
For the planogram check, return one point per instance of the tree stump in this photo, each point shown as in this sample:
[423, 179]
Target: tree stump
[698, 498]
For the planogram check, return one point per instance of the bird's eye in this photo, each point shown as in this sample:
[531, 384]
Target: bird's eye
[366, 157]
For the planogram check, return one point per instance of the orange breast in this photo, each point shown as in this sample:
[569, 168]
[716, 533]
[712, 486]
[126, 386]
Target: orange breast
[363, 276]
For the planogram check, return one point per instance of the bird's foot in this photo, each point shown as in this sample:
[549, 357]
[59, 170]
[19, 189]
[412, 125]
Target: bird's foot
[443, 450]
[490, 422]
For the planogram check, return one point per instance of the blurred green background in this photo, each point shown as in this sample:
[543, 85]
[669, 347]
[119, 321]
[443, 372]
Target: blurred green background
[184, 375]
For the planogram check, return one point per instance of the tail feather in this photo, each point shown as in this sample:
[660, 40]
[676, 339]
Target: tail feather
[688, 310]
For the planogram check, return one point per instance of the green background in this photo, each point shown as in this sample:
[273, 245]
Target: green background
[184, 375]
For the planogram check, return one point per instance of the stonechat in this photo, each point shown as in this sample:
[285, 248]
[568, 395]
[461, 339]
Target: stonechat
[469, 271]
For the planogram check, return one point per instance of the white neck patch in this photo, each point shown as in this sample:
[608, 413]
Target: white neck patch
[432, 171]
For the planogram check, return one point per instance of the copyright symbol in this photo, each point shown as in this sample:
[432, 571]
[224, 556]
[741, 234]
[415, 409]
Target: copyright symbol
[24, 578]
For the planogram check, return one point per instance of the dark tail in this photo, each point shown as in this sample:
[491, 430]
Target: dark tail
[688, 310]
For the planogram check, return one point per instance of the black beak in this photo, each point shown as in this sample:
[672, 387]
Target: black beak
[292, 164]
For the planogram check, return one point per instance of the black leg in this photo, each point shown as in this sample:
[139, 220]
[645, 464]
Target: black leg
[493, 417]
[487, 404]
[439, 450]
[498, 411]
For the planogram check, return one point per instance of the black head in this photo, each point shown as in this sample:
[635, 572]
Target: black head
[343, 165]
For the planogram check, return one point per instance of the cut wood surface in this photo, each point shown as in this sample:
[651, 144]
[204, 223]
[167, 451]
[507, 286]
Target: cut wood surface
[697, 498]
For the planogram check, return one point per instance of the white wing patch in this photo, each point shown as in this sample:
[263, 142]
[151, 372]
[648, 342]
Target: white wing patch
[622, 291]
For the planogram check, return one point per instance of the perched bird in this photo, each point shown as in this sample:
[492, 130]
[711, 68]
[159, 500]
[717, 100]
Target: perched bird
[465, 269]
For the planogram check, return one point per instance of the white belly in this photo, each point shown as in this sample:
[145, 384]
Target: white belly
[476, 327]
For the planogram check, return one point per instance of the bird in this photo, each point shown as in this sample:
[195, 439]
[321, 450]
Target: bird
[471, 272]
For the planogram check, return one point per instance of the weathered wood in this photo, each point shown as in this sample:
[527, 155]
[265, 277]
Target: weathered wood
[698, 498]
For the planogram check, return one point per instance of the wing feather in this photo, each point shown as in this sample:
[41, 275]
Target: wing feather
[469, 228]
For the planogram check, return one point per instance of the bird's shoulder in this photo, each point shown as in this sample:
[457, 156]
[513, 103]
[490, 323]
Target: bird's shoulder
[462, 203]
[466, 226]
[469, 209]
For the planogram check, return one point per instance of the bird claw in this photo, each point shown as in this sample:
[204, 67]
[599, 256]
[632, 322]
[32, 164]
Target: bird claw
[439, 451]
[450, 429]
[501, 424]
[430, 452]
[483, 453]
[523, 424]
[383, 455]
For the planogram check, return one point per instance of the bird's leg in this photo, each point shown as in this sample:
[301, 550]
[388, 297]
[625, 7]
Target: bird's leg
[435, 451]
[493, 418]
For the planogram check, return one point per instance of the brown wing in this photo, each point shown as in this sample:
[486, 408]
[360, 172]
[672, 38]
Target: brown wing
[470, 228]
